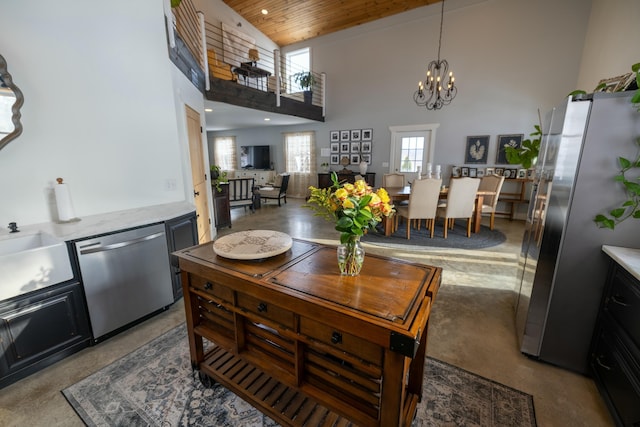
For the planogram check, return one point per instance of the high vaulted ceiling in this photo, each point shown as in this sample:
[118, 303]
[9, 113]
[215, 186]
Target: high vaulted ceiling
[292, 21]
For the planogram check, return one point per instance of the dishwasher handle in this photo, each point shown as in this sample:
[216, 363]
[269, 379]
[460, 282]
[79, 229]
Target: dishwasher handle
[90, 250]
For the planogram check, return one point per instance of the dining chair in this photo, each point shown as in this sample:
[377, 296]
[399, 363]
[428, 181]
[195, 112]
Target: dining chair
[393, 180]
[489, 203]
[460, 203]
[423, 203]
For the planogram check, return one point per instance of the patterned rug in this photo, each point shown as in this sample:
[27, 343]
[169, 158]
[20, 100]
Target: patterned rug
[456, 238]
[155, 386]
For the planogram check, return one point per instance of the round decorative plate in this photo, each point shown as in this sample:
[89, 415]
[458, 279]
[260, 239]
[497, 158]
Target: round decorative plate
[252, 244]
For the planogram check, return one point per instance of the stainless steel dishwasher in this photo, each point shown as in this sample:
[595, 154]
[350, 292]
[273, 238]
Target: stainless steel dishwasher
[126, 276]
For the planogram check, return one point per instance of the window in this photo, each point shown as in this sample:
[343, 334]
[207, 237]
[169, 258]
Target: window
[297, 61]
[298, 151]
[224, 152]
[300, 161]
[411, 153]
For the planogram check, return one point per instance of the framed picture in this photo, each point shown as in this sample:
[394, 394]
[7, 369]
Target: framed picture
[499, 171]
[464, 171]
[514, 140]
[344, 147]
[335, 147]
[489, 171]
[531, 173]
[355, 159]
[480, 173]
[522, 173]
[367, 134]
[455, 171]
[344, 135]
[355, 134]
[473, 172]
[627, 83]
[365, 158]
[612, 84]
[477, 149]
[334, 136]
[334, 159]
[355, 147]
[365, 147]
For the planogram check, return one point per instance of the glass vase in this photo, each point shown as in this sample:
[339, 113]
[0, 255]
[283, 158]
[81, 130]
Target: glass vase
[350, 257]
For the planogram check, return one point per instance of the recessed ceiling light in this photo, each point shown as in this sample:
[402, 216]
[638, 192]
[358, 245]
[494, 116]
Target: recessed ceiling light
[265, 11]
[267, 119]
[208, 110]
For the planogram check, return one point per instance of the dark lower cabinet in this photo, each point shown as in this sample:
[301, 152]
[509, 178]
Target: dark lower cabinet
[182, 233]
[40, 329]
[222, 206]
[324, 179]
[615, 355]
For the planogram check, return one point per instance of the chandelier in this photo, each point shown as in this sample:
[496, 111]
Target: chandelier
[434, 93]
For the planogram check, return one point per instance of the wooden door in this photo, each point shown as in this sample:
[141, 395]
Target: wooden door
[198, 175]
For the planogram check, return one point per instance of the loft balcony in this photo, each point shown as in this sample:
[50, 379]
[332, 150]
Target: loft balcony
[227, 66]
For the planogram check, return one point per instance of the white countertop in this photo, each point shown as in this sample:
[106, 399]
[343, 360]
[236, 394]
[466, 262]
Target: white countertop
[104, 223]
[628, 258]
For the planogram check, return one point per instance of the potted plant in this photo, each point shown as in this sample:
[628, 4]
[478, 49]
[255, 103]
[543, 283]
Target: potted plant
[306, 81]
[527, 154]
[218, 176]
[325, 166]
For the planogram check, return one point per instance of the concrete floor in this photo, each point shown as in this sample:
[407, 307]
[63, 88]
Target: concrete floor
[472, 326]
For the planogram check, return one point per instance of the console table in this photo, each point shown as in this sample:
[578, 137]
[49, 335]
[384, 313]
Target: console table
[250, 70]
[324, 179]
[305, 345]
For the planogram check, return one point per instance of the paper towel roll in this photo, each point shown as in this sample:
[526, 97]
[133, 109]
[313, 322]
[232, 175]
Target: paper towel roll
[63, 201]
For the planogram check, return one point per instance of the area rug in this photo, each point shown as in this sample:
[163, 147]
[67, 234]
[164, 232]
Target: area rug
[155, 386]
[456, 238]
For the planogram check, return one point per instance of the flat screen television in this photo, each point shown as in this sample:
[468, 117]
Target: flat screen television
[255, 157]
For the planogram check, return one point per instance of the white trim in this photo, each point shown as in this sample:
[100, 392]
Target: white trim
[429, 131]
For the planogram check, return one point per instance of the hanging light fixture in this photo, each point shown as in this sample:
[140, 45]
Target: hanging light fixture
[434, 93]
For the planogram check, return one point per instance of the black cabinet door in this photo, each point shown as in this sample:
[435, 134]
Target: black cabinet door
[182, 232]
[40, 329]
[221, 206]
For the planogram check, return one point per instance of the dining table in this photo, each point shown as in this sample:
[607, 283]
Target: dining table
[399, 194]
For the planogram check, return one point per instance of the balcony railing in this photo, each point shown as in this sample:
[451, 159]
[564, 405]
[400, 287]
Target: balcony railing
[228, 56]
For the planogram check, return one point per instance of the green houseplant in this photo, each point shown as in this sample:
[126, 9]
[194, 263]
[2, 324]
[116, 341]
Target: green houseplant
[306, 81]
[218, 176]
[527, 154]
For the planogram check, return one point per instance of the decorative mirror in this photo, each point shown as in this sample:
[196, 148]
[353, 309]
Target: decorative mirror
[10, 102]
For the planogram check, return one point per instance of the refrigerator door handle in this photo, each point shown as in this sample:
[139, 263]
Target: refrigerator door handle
[615, 299]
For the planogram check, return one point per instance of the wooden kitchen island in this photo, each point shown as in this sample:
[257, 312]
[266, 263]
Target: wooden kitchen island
[307, 346]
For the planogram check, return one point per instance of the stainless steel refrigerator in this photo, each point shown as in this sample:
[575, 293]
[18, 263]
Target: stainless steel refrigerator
[562, 267]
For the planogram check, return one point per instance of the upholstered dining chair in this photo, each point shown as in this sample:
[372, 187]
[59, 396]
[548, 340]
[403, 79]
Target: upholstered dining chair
[423, 203]
[278, 191]
[460, 203]
[393, 180]
[489, 203]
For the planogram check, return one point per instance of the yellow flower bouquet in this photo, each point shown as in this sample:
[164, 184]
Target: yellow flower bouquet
[355, 208]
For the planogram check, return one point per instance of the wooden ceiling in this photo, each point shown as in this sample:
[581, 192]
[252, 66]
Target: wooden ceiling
[291, 21]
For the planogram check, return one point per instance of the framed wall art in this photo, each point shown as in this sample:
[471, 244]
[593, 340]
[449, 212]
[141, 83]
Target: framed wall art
[477, 149]
[365, 147]
[345, 147]
[367, 134]
[456, 172]
[344, 135]
[355, 159]
[355, 147]
[334, 159]
[356, 134]
[514, 140]
[334, 136]
[335, 147]
[473, 172]
[365, 158]
[464, 171]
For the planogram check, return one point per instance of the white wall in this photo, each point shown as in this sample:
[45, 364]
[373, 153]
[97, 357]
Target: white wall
[611, 44]
[510, 57]
[99, 108]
